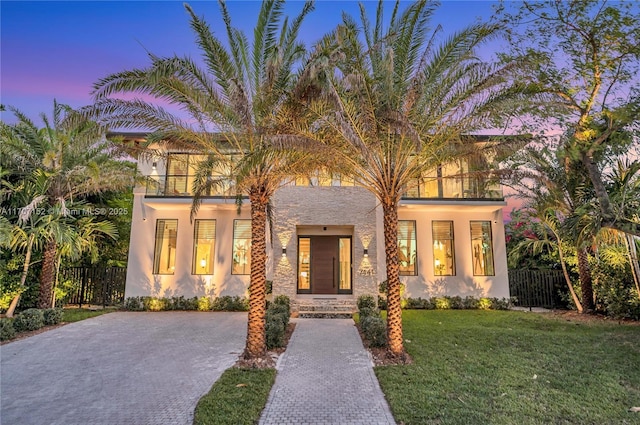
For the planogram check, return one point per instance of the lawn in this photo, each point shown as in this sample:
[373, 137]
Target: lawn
[76, 314]
[237, 398]
[494, 367]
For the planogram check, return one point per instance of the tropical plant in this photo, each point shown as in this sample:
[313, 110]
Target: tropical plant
[399, 104]
[237, 104]
[584, 58]
[57, 167]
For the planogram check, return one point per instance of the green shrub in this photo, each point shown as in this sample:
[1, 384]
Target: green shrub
[366, 301]
[374, 330]
[367, 312]
[203, 304]
[275, 329]
[134, 304]
[418, 303]
[471, 303]
[29, 320]
[484, 304]
[500, 303]
[441, 303]
[283, 300]
[269, 287]
[7, 331]
[155, 304]
[281, 310]
[52, 316]
[228, 303]
[456, 303]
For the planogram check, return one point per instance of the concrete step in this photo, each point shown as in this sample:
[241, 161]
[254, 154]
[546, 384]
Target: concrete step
[326, 307]
[319, 314]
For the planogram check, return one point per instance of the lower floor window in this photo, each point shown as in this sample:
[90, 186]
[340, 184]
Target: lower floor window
[241, 247]
[444, 263]
[164, 255]
[204, 240]
[482, 248]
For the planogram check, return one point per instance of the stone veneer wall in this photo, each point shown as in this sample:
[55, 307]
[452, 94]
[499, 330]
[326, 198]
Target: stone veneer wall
[343, 210]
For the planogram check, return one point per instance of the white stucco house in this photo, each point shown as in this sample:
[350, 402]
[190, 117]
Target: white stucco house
[328, 244]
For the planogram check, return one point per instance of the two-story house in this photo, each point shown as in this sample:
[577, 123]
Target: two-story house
[327, 245]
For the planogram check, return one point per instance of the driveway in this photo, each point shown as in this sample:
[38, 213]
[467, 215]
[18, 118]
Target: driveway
[120, 368]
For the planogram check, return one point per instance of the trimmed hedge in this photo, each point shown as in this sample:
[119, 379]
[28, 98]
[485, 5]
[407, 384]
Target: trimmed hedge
[458, 303]
[225, 303]
[52, 316]
[29, 320]
[7, 331]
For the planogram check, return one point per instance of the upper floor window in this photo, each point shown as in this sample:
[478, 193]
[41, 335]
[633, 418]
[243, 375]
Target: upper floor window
[241, 247]
[164, 255]
[204, 240]
[482, 248]
[444, 263]
[407, 255]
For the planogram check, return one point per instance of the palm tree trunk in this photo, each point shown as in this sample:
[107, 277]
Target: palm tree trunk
[585, 280]
[256, 341]
[47, 275]
[23, 278]
[576, 300]
[394, 311]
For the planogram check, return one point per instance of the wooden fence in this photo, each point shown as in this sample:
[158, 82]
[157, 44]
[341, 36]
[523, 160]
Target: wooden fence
[95, 285]
[536, 288]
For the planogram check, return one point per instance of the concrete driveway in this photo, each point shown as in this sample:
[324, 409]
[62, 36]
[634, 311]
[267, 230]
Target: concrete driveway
[120, 368]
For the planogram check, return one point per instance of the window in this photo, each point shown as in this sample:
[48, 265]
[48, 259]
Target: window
[443, 253]
[482, 248]
[304, 260]
[204, 240]
[344, 248]
[241, 247]
[164, 256]
[407, 248]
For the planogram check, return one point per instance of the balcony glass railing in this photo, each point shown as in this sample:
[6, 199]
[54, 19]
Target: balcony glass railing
[181, 185]
[455, 188]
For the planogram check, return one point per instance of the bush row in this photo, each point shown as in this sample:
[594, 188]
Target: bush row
[29, 320]
[225, 303]
[458, 303]
[277, 320]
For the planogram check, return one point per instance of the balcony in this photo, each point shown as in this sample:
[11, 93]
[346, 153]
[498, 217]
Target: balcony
[180, 186]
[467, 188]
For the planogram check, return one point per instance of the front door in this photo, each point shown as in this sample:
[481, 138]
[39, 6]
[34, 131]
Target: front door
[324, 264]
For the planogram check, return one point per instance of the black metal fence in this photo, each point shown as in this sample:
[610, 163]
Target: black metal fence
[536, 288]
[95, 285]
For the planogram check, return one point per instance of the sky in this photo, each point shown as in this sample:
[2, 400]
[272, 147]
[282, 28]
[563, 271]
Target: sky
[59, 49]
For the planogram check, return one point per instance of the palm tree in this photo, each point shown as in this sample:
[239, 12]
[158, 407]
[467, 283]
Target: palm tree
[396, 106]
[66, 161]
[243, 93]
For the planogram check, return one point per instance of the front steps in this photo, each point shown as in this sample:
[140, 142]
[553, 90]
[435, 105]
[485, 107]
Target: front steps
[324, 308]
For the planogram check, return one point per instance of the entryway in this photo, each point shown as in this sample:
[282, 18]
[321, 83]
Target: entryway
[324, 264]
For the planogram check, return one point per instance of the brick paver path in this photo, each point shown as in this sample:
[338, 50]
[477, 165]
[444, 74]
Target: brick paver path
[326, 377]
[119, 368]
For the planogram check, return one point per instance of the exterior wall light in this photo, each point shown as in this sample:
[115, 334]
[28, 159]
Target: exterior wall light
[284, 252]
[153, 166]
[366, 253]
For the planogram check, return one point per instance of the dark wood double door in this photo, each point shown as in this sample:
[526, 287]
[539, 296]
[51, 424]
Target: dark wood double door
[324, 264]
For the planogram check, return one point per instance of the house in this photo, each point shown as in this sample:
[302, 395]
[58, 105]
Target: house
[328, 244]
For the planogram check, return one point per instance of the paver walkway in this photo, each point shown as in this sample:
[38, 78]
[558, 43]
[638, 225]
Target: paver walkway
[326, 377]
[119, 368]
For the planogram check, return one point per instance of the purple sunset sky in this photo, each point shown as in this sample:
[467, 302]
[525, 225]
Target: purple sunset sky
[59, 49]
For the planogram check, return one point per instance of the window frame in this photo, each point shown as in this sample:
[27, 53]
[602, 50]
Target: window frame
[415, 244]
[157, 247]
[452, 241]
[247, 254]
[195, 258]
[473, 252]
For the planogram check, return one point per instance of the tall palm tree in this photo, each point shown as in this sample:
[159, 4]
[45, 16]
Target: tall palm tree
[395, 107]
[243, 94]
[66, 161]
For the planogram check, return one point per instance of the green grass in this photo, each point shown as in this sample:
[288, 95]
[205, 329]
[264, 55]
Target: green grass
[76, 314]
[494, 367]
[238, 397]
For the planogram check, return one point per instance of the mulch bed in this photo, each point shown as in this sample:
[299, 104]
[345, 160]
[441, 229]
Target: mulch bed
[381, 356]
